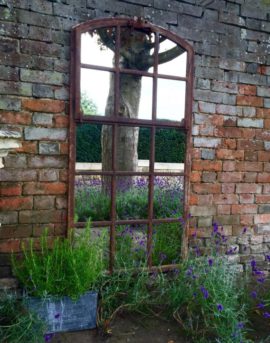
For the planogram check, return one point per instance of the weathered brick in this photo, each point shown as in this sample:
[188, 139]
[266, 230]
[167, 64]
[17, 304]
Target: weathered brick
[223, 209]
[228, 166]
[248, 188]
[10, 104]
[244, 209]
[205, 222]
[262, 229]
[209, 177]
[264, 177]
[43, 91]
[197, 211]
[229, 110]
[224, 87]
[41, 216]
[208, 154]
[49, 148]
[28, 147]
[227, 219]
[229, 64]
[44, 77]
[43, 119]
[61, 121]
[11, 245]
[246, 199]
[207, 107]
[247, 144]
[41, 188]
[10, 189]
[44, 105]
[48, 175]
[18, 174]
[16, 203]
[206, 142]
[38, 48]
[47, 162]
[195, 176]
[9, 217]
[250, 177]
[249, 166]
[15, 161]
[44, 202]
[9, 73]
[33, 133]
[264, 208]
[247, 122]
[61, 203]
[205, 199]
[15, 88]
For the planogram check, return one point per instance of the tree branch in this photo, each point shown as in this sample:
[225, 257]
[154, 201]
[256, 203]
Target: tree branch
[166, 56]
[106, 39]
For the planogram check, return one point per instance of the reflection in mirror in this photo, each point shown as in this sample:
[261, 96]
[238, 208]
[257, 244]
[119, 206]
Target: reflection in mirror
[172, 58]
[132, 197]
[171, 99]
[145, 106]
[131, 243]
[95, 85]
[133, 149]
[97, 47]
[91, 202]
[167, 243]
[170, 150]
[136, 49]
[168, 196]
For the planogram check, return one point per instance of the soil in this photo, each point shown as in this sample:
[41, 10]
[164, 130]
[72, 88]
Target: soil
[129, 328]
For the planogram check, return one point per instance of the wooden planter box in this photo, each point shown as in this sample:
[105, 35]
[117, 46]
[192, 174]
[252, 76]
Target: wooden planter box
[64, 314]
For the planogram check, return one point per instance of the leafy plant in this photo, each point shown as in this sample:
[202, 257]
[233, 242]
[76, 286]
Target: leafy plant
[69, 268]
[17, 325]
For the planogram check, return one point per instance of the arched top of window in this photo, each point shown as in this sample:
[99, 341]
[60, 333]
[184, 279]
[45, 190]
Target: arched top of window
[111, 50]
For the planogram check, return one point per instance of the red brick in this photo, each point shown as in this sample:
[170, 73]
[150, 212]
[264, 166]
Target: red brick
[37, 105]
[266, 189]
[45, 188]
[16, 203]
[28, 148]
[249, 166]
[225, 199]
[228, 166]
[230, 177]
[61, 121]
[228, 188]
[246, 219]
[262, 199]
[267, 124]
[206, 188]
[248, 188]
[207, 165]
[264, 177]
[266, 167]
[247, 90]
[195, 176]
[10, 189]
[225, 154]
[196, 153]
[229, 132]
[17, 118]
[248, 144]
[229, 122]
[247, 100]
[224, 209]
[263, 113]
[261, 218]
[229, 143]
[244, 209]
[217, 120]
[205, 199]
[8, 246]
[64, 148]
[193, 200]
[263, 135]
[264, 156]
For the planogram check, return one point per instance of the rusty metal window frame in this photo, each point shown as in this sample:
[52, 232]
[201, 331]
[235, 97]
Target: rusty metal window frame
[76, 116]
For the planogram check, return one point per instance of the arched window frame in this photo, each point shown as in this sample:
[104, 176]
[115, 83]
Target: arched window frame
[76, 116]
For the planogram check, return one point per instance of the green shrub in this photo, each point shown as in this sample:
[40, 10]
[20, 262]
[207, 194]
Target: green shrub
[69, 268]
[17, 325]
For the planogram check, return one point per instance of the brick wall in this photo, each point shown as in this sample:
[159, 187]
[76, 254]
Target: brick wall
[231, 113]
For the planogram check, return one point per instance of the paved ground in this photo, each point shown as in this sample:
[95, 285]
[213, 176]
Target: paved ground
[129, 329]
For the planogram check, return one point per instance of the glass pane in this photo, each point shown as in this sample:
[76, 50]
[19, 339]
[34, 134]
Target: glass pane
[171, 99]
[132, 197]
[98, 47]
[136, 49]
[172, 58]
[167, 243]
[90, 138]
[131, 246]
[92, 201]
[132, 148]
[97, 92]
[170, 150]
[168, 196]
[145, 104]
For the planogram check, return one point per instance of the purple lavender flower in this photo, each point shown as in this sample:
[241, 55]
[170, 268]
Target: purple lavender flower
[240, 325]
[244, 230]
[210, 262]
[48, 337]
[57, 315]
[220, 307]
[253, 294]
[267, 258]
[204, 292]
[261, 305]
[266, 315]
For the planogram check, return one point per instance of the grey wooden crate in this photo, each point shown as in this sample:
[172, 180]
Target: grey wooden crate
[64, 314]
